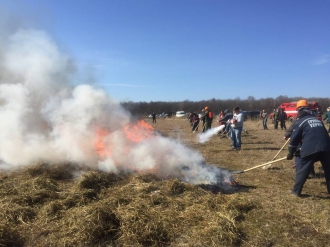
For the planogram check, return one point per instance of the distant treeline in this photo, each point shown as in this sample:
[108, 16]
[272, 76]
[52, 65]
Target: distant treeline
[216, 105]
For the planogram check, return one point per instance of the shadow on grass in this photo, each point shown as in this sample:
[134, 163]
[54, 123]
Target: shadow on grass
[303, 196]
[254, 143]
[226, 189]
[326, 196]
[273, 168]
[264, 148]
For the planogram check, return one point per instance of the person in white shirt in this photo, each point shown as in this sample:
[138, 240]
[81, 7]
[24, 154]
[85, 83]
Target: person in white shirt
[237, 126]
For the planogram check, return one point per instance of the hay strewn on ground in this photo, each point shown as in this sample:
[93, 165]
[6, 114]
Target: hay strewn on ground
[44, 205]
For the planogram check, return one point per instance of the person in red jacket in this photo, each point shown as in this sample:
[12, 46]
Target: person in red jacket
[221, 115]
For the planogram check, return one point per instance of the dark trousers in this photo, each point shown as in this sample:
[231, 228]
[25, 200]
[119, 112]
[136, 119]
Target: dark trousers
[228, 128]
[275, 124]
[195, 126]
[298, 166]
[283, 125]
[307, 164]
[208, 125]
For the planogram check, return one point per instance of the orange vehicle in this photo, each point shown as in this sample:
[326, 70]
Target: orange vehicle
[291, 109]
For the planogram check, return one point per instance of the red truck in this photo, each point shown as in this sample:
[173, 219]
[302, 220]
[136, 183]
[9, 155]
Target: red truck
[291, 111]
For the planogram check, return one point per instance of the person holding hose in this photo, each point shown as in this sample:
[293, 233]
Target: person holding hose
[237, 126]
[310, 133]
[225, 119]
[195, 122]
[208, 118]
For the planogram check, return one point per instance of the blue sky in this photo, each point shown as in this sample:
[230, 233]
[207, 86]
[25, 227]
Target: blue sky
[175, 50]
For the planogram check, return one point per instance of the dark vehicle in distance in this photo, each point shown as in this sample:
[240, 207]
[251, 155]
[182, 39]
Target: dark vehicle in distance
[252, 115]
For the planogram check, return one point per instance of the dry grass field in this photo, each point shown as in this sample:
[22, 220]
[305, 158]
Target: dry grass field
[44, 205]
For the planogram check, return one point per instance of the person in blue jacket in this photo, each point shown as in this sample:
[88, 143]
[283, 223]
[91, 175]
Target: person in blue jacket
[311, 134]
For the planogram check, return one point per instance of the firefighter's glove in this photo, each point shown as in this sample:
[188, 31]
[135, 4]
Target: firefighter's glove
[289, 156]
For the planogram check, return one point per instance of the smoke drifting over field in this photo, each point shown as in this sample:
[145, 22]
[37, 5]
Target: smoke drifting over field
[44, 117]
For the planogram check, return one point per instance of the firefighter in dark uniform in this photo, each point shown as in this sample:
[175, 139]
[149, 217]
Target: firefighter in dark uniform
[303, 112]
[310, 133]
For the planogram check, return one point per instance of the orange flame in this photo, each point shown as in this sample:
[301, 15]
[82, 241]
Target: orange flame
[100, 146]
[134, 132]
[139, 131]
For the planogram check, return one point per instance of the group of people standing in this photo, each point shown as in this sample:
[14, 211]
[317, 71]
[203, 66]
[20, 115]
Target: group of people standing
[279, 117]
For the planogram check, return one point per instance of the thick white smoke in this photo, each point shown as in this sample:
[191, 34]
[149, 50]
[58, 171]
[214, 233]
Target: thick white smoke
[45, 118]
[206, 136]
